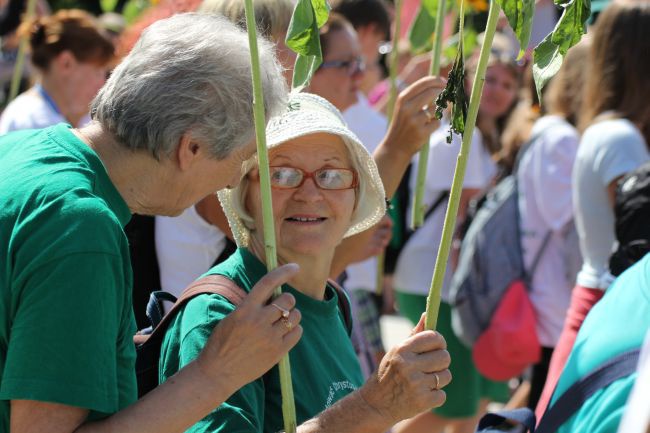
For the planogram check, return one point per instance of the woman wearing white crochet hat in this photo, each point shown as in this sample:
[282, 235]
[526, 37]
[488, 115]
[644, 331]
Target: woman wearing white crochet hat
[325, 187]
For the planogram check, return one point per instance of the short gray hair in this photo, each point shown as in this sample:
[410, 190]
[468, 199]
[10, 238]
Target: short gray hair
[190, 72]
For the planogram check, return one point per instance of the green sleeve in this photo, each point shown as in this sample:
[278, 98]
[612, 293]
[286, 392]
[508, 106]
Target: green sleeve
[71, 317]
[243, 411]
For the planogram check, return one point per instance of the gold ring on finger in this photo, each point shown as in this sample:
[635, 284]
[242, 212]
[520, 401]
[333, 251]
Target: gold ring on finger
[284, 311]
[427, 113]
[437, 387]
[287, 323]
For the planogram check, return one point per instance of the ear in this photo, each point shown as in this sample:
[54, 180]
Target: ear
[187, 151]
[65, 61]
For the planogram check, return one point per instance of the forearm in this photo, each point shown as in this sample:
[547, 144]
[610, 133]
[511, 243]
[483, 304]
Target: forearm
[172, 407]
[350, 250]
[352, 414]
[391, 163]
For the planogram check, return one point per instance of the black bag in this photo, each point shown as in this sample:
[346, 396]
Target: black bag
[401, 226]
[148, 341]
[632, 211]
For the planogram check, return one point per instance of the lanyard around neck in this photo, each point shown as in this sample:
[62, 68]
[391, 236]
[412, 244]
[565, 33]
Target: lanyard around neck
[48, 99]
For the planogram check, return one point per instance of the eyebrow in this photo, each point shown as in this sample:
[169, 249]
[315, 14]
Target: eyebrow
[329, 159]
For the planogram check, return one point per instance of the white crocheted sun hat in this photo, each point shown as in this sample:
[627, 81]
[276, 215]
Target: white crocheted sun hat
[309, 114]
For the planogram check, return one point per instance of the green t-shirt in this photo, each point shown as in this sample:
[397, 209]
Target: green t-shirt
[616, 324]
[324, 367]
[66, 318]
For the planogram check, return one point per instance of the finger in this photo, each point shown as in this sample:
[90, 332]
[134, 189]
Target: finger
[438, 398]
[420, 326]
[263, 290]
[444, 379]
[283, 326]
[424, 85]
[292, 337]
[275, 310]
[425, 341]
[431, 362]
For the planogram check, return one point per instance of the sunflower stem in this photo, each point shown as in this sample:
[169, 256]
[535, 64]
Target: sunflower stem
[288, 403]
[433, 300]
[417, 210]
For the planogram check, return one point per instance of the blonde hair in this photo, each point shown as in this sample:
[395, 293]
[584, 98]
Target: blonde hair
[272, 16]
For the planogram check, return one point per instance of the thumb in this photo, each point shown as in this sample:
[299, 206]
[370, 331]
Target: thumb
[263, 290]
[420, 326]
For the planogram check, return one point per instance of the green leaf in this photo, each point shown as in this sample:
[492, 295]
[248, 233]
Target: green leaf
[422, 29]
[549, 54]
[303, 38]
[520, 17]
[108, 5]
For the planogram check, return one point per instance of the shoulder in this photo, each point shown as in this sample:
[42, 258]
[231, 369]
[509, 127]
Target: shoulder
[27, 111]
[618, 133]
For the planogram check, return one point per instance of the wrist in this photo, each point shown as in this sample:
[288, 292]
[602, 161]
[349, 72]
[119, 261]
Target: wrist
[376, 413]
[218, 385]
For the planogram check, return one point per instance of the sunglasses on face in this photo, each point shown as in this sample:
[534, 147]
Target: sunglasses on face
[324, 178]
[351, 66]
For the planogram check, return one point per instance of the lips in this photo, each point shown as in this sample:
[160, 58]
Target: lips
[305, 219]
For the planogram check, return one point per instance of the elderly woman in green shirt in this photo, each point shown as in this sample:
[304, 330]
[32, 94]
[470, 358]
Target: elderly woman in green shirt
[325, 187]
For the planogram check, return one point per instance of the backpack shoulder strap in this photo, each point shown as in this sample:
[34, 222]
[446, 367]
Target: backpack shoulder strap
[344, 304]
[574, 397]
[210, 284]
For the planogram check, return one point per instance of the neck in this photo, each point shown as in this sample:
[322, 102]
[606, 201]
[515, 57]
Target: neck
[56, 90]
[138, 177]
[314, 270]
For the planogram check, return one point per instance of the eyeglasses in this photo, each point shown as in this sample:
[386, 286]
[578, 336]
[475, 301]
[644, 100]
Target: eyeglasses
[324, 178]
[351, 66]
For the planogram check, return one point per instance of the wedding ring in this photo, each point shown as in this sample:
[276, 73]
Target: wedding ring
[425, 109]
[437, 387]
[284, 311]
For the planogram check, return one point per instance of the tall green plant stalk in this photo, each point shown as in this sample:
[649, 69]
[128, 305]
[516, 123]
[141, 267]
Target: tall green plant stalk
[417, 211]
[20, 58]
[288, 404]
[433, 300]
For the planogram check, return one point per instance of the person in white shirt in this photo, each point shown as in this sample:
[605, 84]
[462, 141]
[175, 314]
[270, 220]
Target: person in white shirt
[545, 207]
[72, 56]
[469, 392]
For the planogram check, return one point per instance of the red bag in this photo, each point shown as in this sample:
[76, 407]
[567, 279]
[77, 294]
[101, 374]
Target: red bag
[509, 344]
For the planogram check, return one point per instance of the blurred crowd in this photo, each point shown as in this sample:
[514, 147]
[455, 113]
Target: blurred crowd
[579, 152]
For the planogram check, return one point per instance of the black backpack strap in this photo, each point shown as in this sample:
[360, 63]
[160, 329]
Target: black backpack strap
[215, 284]
[344, 304]
[574, 397]
[444, 195]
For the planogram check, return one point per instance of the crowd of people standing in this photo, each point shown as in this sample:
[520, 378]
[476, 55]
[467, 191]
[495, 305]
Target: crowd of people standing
[109, 164]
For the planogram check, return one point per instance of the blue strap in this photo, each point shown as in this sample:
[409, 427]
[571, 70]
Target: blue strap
[47, 98]
[569, 402]
[491, 421]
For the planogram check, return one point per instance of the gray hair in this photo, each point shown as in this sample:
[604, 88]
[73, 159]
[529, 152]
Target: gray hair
[188, 73]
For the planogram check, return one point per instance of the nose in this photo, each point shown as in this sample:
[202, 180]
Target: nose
[308, 192]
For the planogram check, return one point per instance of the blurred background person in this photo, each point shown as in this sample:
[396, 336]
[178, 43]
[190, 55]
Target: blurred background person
[615, 118]
[71, 55]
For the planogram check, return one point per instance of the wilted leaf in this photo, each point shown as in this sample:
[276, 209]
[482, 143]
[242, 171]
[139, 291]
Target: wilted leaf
[454, 93]
[303, 38]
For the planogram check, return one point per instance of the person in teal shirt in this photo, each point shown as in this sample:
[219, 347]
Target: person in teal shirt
[325, 187]
[165, 133]
[616, 324]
